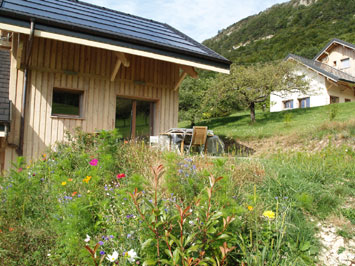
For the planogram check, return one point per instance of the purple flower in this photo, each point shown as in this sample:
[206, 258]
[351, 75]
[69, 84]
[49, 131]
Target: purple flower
[79, 195]
[129, 235]
[276, 198]
[111, 236]
[102, 252]
[101, 243]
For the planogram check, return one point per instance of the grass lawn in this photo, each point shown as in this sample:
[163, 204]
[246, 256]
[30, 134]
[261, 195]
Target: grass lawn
[302, 121]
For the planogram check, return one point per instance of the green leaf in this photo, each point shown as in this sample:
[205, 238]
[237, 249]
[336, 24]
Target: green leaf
[146, 243]
[305, 246]
[167, 252]
[189, 239]
[193, 248]
[149, 262]
[223, 236]
[176, 256]
[176, 241]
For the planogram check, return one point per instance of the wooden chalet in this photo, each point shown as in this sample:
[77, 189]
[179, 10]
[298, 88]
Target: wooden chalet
[71, 64]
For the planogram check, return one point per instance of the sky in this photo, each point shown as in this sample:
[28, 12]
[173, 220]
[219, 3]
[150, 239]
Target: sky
[199, 19]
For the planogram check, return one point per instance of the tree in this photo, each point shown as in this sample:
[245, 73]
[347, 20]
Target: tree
[191, 95]
[253, 84]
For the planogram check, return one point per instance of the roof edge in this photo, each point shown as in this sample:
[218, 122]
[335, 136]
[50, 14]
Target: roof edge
[119, 46]
[23, 18]
[334, 40]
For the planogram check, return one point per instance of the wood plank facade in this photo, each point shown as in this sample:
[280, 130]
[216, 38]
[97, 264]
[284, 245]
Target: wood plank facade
[62, 65]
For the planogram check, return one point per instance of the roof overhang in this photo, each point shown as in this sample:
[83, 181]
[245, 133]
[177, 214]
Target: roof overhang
[65, 35]
[321, 72]
[333, 43]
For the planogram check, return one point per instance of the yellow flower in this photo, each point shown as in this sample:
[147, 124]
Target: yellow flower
[250, 208]
[87, 179]
[64, 183]
[269, 214]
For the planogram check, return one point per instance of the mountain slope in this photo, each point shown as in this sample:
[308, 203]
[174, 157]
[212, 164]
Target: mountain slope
[301, 27]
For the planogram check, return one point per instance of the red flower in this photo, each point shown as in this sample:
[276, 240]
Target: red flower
[119, 176]
[94, 162]
[74, 193]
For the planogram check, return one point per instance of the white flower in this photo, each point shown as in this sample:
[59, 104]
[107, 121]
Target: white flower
[112, 257]
[49, 254]
[132, 255]
[87, 239]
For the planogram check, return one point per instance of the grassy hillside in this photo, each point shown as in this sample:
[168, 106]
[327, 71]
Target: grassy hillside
[286, 28]
[301, 121]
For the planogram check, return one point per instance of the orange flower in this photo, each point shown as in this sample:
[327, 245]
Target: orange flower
[0, 231]
[87, 179]
[11, 229]
[74, 193]
[70, 179]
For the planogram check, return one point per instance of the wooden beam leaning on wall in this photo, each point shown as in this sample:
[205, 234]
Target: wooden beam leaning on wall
[20, 51]
[121, 59]
[186, 70]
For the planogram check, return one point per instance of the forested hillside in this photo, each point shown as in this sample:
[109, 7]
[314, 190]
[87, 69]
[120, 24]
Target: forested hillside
[302, 27]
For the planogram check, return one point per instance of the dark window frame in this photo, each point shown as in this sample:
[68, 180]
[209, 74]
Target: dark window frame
[69, 91]
[334, 99]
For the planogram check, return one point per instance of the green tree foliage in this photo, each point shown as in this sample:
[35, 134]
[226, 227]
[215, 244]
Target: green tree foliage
[290, 28]
[191, 95]
[250, 85]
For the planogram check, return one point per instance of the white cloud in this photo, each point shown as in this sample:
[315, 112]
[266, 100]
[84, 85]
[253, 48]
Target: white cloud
[199, 19]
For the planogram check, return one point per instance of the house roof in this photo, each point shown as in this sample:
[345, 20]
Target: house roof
[333, 42]
[324, 69]
[4, 85]
[86, 21]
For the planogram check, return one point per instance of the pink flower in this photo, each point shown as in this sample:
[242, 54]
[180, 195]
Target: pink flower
[94, 162]
[119, 176]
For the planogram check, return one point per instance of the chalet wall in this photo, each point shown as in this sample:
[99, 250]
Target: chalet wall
[317, 92]
[337, 54]
[70, 66]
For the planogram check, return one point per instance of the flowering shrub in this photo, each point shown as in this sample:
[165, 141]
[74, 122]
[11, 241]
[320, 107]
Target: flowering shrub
[96, 201]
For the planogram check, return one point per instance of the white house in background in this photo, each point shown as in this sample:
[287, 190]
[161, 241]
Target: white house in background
[331, 74]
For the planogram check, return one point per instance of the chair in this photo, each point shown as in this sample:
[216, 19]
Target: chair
[198, 138]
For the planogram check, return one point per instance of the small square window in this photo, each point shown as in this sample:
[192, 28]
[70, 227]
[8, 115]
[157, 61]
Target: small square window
[67, 102]
[305, 102]
[334, 99]
[345, 63]
[347, 100]
[288, 104]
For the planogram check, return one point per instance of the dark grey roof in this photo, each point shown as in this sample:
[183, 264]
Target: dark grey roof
[335, 40]
[76, 18]
[324, 69]
[4, 85]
